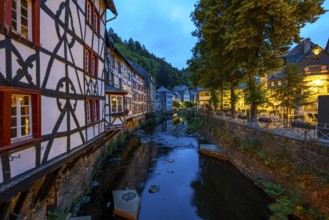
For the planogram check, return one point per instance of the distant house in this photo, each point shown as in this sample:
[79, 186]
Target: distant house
[314, 64]
[164, 98]
[183, 92]
[149, 85]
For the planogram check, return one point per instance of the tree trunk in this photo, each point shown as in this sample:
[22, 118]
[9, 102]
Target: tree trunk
[233, 99]
[221, 99]
[253, 106]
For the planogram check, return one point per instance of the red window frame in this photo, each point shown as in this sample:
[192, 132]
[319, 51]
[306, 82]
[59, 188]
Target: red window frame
[94, 13]
[6, 21]
[5, 117]
[94, 113]
[89, 67]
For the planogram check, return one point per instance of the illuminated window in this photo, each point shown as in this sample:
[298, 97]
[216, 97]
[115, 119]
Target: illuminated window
[279, 82]
[116, 104]
[21, 17]
[323, 68]
[272, 84]
[21, 116]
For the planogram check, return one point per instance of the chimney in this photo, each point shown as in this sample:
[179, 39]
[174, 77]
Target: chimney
[307, 45]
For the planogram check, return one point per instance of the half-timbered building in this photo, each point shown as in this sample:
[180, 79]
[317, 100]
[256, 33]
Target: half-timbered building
[51, 90]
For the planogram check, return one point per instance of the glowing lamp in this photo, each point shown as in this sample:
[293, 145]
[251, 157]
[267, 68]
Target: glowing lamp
[317, 50]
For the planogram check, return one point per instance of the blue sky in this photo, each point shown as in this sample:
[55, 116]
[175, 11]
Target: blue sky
[165, 26]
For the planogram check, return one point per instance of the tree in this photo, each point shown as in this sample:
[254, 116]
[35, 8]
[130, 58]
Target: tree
[249, 35]
[175, 104]
[294, 91]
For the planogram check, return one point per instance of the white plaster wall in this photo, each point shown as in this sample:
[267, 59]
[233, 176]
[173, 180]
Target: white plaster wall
[56, 73]
[80, 115]
[59, 147]
[49, 116]
[48, 36]
[76, 14]
[54, 6]
[25, 162]
[43, 149]
[75, 140]
[90, 133]
[24, 52]
[77, 80]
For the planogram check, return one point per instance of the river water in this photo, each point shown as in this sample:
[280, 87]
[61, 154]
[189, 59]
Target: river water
[192, 186]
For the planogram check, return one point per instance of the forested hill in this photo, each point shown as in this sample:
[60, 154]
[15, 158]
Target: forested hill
[164, 73]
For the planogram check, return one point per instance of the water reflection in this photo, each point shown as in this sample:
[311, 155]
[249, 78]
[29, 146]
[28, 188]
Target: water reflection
[221, 192]
[191, 186]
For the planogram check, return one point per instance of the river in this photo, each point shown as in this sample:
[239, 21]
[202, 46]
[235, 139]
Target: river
[192, 186]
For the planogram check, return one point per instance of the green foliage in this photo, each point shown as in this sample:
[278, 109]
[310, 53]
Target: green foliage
[165, 74]
[56, 214]
[175, 104]
[294, 91]
[245, 37]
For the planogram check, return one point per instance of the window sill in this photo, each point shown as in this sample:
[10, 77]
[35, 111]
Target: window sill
[20, 144]
[91, 75]
[5, 29]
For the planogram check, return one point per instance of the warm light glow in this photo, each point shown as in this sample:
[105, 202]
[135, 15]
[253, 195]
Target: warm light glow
[318, 82]
[113, 99]
[317, 50]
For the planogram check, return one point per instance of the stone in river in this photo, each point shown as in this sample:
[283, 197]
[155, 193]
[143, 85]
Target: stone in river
[154, 188]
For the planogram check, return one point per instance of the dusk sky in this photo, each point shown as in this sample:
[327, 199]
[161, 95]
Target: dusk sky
[165, 27]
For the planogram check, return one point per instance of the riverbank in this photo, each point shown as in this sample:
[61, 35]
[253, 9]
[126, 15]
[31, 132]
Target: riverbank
[281, 167]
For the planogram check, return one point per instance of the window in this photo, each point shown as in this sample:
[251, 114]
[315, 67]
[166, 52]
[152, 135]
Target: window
[92, 110]
[125, 73]
[90, 62]
[96, 21]
[87, 57]
[89, 12]
[21, 19]
[92, 16]
[323, 68]
[88, 111]
[272, 83]
[20, 116]
[279, 83]
[116, 104]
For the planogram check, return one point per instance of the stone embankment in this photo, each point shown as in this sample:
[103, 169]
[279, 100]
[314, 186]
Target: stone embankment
[298, 166]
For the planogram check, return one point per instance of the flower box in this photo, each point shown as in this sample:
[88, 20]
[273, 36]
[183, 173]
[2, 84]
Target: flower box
[264, 120]
[118, 114]
[302, 124]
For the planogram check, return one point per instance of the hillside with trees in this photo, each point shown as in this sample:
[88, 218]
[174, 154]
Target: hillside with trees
[164, 73]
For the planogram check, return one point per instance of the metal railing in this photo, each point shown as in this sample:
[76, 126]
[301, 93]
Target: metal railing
[289, 127]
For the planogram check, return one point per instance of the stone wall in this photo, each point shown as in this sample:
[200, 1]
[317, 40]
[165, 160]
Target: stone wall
[68, 183]
[290, 162]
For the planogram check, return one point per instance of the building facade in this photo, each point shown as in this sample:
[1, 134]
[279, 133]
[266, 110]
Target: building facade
[51, 86]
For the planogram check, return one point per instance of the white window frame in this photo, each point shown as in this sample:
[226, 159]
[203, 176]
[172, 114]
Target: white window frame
[93, 65]
[95, 109]
[89, 11]
[19, 117]
[115, 103]
[87, 58]
[88, 111]
[19, 18]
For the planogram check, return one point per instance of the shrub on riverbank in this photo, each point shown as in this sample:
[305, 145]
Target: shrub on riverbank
[259, 155]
